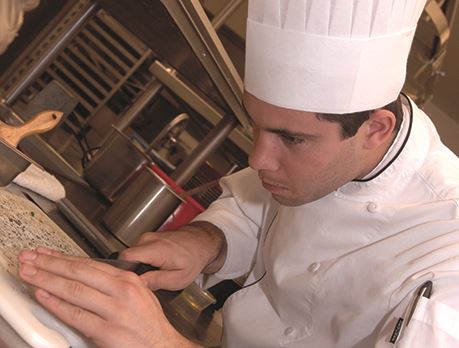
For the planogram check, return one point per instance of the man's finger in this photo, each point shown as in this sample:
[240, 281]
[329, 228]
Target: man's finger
[88, 261]
[147, 238]
[167, 280]
[147, 254]
[80, 270]
[71, 291]
[84, 321]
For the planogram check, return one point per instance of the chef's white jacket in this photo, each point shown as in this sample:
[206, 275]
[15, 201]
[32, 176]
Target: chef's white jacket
[341, 271]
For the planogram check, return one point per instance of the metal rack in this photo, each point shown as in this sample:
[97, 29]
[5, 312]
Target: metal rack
[429, 49]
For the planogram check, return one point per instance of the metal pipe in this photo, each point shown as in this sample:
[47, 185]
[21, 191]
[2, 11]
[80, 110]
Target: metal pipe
[152, 90]
[41, 65]
[195, 26]
[213, 114]
[210, 143]
[225, 12]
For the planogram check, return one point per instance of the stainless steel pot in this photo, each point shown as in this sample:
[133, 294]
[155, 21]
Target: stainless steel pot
[142, 206]
[115, 164]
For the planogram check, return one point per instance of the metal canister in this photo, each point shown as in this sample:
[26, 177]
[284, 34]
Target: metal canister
[143, 206]
[114, 164]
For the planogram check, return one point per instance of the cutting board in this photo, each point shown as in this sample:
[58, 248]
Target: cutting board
[24, 225]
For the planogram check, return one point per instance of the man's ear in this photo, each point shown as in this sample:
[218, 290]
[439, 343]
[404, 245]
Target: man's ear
[379, 128]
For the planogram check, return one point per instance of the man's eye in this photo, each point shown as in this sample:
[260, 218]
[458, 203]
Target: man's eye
[292, 140]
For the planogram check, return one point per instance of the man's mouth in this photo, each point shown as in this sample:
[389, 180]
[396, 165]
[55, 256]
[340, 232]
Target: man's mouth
[272, 186]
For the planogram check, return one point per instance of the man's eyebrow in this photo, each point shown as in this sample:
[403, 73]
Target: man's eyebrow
[286, 132]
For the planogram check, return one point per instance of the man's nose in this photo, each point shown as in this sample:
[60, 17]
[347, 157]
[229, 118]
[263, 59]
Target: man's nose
[264, 154]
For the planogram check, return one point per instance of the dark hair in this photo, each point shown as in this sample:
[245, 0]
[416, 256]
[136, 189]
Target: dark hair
[350, 123]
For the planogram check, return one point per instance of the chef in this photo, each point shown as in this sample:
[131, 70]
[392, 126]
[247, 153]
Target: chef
[346, 222]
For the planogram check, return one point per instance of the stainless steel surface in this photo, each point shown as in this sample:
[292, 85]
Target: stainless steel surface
[202, 38]
[211, 113]
[208, 145]
[12, 162]
[225, 12]
[146, 18]
[202, 326]
[102, 65]
[103, 242]
[37, 148]
[438, 17]
[430, 45]
[143, 206]
[114, 164]
[170, 132]
[39, 66]
[151, 92]
[54, 95]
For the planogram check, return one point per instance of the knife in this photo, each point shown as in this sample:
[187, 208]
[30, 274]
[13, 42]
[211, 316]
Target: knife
[133, 266]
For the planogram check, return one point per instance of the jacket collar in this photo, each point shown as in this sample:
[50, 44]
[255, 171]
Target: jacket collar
[400, 168]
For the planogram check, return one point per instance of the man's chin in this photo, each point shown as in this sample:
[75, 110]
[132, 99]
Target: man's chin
[287, 201]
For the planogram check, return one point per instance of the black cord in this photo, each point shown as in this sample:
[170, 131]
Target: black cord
[81, 139]
[401, 147]
[254, 282]
[266, 235]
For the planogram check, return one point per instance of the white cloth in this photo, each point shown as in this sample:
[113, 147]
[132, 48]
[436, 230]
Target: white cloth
[434, 323]
[11, 17]
[329, 56]
[41, 182]
[338, 268]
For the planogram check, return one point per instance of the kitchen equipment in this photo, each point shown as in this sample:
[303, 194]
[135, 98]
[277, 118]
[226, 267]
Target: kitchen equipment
[114, 164]
[186, 211]
[200, 189]
[142, 206]
[40, 123]
[12, 162]
[120, 158]
[196, 297]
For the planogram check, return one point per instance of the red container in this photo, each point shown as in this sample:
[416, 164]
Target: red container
[185, 212]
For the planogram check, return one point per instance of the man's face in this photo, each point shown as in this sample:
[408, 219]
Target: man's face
[300, 158]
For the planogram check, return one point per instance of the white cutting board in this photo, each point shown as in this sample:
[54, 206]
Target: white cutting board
[24, 225]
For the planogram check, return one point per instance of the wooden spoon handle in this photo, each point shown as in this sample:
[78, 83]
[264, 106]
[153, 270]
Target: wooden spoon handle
[40, 123]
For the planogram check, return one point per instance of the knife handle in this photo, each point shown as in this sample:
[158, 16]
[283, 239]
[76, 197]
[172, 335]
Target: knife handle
[144, 268]
[140, 269]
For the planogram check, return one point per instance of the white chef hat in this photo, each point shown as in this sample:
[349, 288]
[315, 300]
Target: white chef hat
[329, 56]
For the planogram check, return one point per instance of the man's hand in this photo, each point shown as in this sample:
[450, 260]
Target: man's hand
[181, 255]
[112, 307]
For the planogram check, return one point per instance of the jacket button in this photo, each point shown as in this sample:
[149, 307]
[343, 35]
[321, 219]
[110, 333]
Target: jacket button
[372, 207]
[314, 267]
[289, 331]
